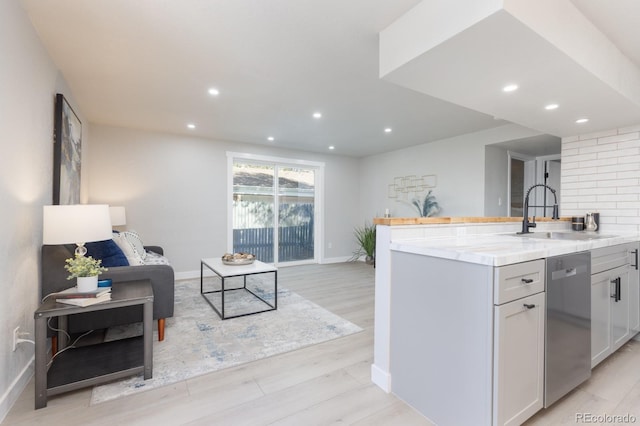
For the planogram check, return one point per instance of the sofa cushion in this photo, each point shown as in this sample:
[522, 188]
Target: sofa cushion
[107, 251]
[154, 258]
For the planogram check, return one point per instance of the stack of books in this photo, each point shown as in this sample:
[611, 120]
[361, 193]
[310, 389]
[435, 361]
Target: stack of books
[72, 296]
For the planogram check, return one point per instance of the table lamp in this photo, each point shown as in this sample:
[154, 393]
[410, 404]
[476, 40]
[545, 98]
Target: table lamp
[76, 223]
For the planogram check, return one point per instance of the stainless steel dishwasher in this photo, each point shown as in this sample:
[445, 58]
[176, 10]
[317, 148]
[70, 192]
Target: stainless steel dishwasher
[568, 324]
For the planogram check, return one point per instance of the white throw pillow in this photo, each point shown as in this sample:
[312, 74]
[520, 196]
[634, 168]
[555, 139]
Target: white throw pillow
[127, 248]
[136, 242]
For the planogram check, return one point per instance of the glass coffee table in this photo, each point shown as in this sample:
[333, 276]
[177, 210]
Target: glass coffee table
[226, 272]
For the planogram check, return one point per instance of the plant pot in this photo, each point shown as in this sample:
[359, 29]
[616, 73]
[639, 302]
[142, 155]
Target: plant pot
[87, 283]
[369, 260]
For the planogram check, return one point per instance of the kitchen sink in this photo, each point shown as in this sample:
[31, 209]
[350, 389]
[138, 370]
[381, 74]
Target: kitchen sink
[555, 235]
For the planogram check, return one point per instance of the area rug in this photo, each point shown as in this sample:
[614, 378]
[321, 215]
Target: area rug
[198, 342]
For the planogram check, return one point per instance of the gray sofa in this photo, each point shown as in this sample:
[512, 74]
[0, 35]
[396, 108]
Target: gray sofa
[54, 279]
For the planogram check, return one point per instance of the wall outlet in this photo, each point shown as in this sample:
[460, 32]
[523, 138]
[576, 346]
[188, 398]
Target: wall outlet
[330, 245]
[16, 334]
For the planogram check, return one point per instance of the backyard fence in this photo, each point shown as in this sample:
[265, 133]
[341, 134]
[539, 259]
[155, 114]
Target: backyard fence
[295, 242]
[295, 233]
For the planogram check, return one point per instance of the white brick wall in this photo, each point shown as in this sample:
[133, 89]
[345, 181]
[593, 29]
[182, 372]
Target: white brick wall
[601, 173]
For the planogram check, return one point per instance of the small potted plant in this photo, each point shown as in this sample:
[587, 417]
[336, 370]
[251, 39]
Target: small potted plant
[86, 270]
[366, 237]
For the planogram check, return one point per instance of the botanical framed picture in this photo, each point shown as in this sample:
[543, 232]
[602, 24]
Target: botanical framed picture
[67, 150]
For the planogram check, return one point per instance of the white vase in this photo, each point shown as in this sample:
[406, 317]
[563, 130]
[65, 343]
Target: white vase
[87, 283]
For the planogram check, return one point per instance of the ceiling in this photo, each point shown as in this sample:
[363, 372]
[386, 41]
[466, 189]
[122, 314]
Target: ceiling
[148, 64]
[619, 20]
[533, 146]
[548, 50]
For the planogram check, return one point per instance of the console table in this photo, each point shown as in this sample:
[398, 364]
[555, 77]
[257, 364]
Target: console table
[83, 366]
[228, 271]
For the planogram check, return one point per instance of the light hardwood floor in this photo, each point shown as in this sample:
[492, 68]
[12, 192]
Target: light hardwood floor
[322, 384]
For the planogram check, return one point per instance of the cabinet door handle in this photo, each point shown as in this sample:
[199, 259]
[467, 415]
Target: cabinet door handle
[529, 306]
[527, 280]
[616, 296]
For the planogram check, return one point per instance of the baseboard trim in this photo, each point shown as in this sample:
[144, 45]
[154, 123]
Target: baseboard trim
[381, 378]
[342, 259]
[16, 388]
[189, 275]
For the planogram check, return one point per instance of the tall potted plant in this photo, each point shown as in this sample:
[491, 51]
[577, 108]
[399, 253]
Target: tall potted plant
[366, 237]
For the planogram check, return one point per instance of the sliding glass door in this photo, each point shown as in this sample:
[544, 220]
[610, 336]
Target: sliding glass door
[253, 210]
[273, 211]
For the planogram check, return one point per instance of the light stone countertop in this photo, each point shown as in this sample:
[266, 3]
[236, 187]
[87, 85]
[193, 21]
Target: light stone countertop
[501, 249]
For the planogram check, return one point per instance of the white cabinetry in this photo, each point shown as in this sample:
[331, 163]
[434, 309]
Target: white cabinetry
[634, 288]
[600, 317]
[519, 359]
[518, 362]
[615, 299]
[467, 340]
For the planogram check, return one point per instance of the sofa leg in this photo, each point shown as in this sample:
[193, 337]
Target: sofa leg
[161, 329]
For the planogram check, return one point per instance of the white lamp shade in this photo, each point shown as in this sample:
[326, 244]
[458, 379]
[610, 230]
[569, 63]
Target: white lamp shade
[77, 223]
[118, 217]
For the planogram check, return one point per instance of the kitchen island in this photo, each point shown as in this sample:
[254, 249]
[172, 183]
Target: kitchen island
[439, 317]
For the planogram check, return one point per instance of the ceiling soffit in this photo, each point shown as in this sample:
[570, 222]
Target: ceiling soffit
[549, 49]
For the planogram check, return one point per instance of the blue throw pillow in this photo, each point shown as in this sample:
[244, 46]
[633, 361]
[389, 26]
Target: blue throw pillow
[107, 251]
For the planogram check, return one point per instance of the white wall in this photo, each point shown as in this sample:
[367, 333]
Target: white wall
[496, 181]
[174, 189]
[601, 173]
[458, 162]
[28, 84]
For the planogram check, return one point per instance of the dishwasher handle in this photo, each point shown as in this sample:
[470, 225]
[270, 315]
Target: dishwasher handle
[562, 273]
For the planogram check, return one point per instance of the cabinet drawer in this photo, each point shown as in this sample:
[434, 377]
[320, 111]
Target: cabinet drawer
[518, 280]
[606, 258]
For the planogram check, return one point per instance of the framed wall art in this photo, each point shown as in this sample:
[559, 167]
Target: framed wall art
[67, 151]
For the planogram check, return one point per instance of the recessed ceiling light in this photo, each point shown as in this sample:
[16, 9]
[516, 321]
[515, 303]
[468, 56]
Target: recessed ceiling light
[214, 92]
[317, 115]
[191, 126]
[387, 130]
[332, 147]
[551, 106]
[270, 138]
[510, 88]
[582, 120]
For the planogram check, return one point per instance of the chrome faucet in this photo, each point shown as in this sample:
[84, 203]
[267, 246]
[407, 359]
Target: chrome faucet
[525, 220]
